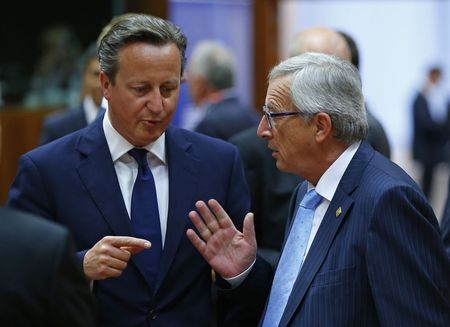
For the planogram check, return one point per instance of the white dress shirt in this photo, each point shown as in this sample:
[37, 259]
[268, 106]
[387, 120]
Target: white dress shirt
[327, 186]
[127, 169]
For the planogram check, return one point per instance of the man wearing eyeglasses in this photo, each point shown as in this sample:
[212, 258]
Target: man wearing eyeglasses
[362, 246]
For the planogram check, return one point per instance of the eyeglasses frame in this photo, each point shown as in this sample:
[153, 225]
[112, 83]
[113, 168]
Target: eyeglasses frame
[268, 115]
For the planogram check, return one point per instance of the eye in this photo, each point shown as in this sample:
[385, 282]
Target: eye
[167, 90]
[139, 90]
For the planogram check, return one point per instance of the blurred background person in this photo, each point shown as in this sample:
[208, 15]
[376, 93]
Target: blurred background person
[216, 111]
[91, 95]
[54, 80]
[324, 40]
[431, 128]
[377, 135]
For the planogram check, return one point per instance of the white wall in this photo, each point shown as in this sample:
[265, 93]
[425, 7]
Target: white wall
[398, 40]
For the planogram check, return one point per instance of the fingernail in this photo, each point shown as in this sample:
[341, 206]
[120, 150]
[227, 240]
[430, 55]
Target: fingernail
[147, 245]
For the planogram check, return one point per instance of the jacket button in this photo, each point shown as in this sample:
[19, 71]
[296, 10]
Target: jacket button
[152, 314]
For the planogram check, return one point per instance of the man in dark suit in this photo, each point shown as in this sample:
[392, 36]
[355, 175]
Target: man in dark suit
[40, 283]
[60, 124]
[94, 182]
[431, 130]
[217, 110]
[367, 252]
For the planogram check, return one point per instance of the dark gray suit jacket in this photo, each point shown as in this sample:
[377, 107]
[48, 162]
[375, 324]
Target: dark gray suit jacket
[40, 283]
[270, 191]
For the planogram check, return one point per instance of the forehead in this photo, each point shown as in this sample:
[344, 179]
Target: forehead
[144, 58]
[279, 91]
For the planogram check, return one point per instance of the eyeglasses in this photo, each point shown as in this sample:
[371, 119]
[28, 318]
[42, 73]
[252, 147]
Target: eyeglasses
[269, 116]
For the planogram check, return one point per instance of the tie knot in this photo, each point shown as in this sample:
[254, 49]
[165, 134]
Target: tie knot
[311, 199]
[140, 155]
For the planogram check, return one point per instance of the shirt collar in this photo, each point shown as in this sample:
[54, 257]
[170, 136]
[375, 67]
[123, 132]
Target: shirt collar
[118, 145]
[330, 180]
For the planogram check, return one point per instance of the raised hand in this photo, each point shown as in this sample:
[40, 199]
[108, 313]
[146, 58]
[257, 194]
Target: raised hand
[228, 251]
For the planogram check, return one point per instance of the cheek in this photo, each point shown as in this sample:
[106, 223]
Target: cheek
[170, 103]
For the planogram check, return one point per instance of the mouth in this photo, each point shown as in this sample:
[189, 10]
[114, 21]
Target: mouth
[274, 152]
[150, 122]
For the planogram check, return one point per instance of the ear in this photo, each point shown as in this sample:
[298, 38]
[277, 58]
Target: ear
[323, 125]
[105, 84]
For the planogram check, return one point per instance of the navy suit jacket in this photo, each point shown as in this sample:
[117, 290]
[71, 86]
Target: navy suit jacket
[226, 118]
[377, 258]
[60, 124]
[73, 181]
[445, 223]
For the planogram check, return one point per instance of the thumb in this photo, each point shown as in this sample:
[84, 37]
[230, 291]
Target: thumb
[249, 229]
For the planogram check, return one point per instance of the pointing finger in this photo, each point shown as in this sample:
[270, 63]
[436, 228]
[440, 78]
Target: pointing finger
[127, 241]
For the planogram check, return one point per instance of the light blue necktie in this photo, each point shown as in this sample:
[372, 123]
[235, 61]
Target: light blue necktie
[145, 216]
[291, 259]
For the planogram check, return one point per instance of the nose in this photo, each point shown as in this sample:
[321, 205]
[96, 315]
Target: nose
[263, 130]
[154, 102]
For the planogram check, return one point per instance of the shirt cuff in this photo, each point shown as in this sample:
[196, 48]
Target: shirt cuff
[237, 280]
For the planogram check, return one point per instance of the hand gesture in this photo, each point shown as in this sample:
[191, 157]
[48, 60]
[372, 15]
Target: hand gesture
[110, 256]
[228, 251]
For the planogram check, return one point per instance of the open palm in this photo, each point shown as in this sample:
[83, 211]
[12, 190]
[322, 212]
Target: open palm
[228, 251]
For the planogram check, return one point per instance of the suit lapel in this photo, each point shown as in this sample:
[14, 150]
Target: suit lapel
[318, 251]
[337, 212]
[183, 175]
[98, 175]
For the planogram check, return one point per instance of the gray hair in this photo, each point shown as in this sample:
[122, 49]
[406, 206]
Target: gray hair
[131, 28]
[214, 62]
[324, 83]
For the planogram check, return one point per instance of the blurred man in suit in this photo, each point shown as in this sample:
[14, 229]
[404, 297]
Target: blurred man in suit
[367, 251]
[377, 135]
[431, 128]
[60, 124]
[217, 110]
[40, 283]
[129, 179]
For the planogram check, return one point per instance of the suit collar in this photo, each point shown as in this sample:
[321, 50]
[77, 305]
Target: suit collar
[329, 181]
[336, 214]
[97, 172]
[118, 145]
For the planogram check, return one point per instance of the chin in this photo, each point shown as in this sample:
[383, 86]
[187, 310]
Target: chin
[280, 166]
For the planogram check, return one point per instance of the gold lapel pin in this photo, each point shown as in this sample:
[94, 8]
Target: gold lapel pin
[338, 211]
